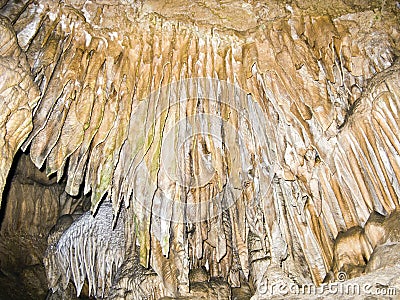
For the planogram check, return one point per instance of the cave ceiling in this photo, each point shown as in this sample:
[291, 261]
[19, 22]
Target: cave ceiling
[286, 114]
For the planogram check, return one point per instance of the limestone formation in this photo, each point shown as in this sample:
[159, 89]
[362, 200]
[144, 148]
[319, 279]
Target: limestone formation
[18, 97]
[89, 249]
[352, 251]
[257, 141]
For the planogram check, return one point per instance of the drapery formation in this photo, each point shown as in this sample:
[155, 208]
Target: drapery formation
[284, 131]
[91, 249]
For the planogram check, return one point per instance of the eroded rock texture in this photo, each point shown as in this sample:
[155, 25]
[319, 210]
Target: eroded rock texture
[32, 205]
[18, 96]
[239, 136]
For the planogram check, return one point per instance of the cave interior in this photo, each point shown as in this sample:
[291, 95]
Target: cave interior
[199, 149]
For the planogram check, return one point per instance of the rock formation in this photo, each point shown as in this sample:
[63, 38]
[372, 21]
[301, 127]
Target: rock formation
[250, 139]
[88, 249]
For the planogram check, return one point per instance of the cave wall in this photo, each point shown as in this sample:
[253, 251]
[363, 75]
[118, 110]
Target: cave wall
[18, 97]
[31, 208]
[282, 117]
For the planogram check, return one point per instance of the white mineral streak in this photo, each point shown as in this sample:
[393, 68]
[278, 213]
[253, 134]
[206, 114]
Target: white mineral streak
[32, 19]
[90, 249]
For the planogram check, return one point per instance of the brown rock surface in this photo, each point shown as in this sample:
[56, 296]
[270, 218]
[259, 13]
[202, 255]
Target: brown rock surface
[240, 136]
[18, 96]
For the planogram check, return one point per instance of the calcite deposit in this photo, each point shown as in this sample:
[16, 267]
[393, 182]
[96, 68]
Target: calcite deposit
[18, 96]
[252, 140]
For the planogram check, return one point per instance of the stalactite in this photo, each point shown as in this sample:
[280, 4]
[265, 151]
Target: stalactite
[275, 134]
[90, 249]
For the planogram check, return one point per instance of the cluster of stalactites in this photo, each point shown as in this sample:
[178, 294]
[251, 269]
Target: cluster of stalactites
[290, 127]
[90, 250]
